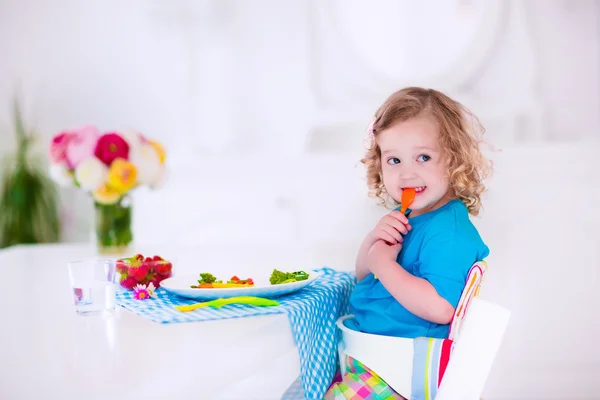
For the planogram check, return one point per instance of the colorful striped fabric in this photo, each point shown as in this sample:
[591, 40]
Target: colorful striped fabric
[429, 364]
[360, 383]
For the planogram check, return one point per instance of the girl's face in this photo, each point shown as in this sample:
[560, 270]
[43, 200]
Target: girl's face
[411, 158]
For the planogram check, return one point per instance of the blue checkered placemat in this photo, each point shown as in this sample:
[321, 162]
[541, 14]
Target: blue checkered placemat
[312, 311]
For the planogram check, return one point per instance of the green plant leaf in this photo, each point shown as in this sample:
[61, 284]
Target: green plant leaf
[28, 197]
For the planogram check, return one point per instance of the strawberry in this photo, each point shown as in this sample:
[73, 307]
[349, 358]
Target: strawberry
[163, 268]
[121, 266]
[139, 272]
[157, 258]
[128, 283]
[139, 257]
[150, 277]
[156, 281]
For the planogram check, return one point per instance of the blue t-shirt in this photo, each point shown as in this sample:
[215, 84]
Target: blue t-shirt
[441, 248]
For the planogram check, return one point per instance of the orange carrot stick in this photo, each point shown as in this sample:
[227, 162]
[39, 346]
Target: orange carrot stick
[408, 196]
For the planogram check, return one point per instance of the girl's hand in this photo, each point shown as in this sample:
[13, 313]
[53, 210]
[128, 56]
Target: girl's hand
[390, 228]
[389, 231]
[381, 254]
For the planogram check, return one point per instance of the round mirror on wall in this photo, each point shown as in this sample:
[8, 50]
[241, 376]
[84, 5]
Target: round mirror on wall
[361, 51]
[417, 42]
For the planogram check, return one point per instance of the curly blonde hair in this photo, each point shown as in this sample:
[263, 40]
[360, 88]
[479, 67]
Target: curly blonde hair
[460, 139]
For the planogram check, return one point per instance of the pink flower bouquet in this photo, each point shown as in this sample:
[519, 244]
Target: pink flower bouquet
[108, 166]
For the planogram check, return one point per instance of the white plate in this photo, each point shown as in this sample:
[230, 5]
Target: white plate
[180, 285]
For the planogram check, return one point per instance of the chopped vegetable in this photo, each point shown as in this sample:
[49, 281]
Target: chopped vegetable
[203, 286]
[279, 277]
[206, 277]
[219, 285]
[235, 279]
[209, 281]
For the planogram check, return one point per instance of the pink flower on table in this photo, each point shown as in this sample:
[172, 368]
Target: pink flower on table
[58, 147]
[143, 292]
[140, 293]
[111, 146]
[81, 145]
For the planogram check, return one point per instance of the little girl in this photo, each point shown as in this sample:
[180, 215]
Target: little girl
[411, 269]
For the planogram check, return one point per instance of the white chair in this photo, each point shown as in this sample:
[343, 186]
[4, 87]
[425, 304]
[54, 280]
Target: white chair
[476, 332]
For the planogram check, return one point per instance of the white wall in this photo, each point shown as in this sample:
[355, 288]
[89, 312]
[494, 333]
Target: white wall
[234, 73]
[262, 106]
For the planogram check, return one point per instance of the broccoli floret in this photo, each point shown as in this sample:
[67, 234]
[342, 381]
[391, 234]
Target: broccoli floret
[205, 277]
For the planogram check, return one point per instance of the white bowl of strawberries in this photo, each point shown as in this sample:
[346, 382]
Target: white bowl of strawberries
[143, 270]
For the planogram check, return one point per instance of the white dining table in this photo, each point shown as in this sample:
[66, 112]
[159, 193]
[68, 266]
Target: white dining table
[48, 351]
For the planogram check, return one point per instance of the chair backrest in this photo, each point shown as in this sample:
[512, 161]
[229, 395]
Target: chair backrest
[473, 354]
[481, 331]
[471, 290]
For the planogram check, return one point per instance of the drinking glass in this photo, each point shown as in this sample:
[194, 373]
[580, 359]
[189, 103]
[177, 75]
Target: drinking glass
[93, 286]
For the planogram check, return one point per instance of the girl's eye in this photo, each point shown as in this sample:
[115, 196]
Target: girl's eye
[423, 158]
[393, 161]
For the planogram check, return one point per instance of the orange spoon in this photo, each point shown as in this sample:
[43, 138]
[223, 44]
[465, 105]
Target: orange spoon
[408, 196]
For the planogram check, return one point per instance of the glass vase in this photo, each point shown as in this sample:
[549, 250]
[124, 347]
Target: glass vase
[112, 227]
